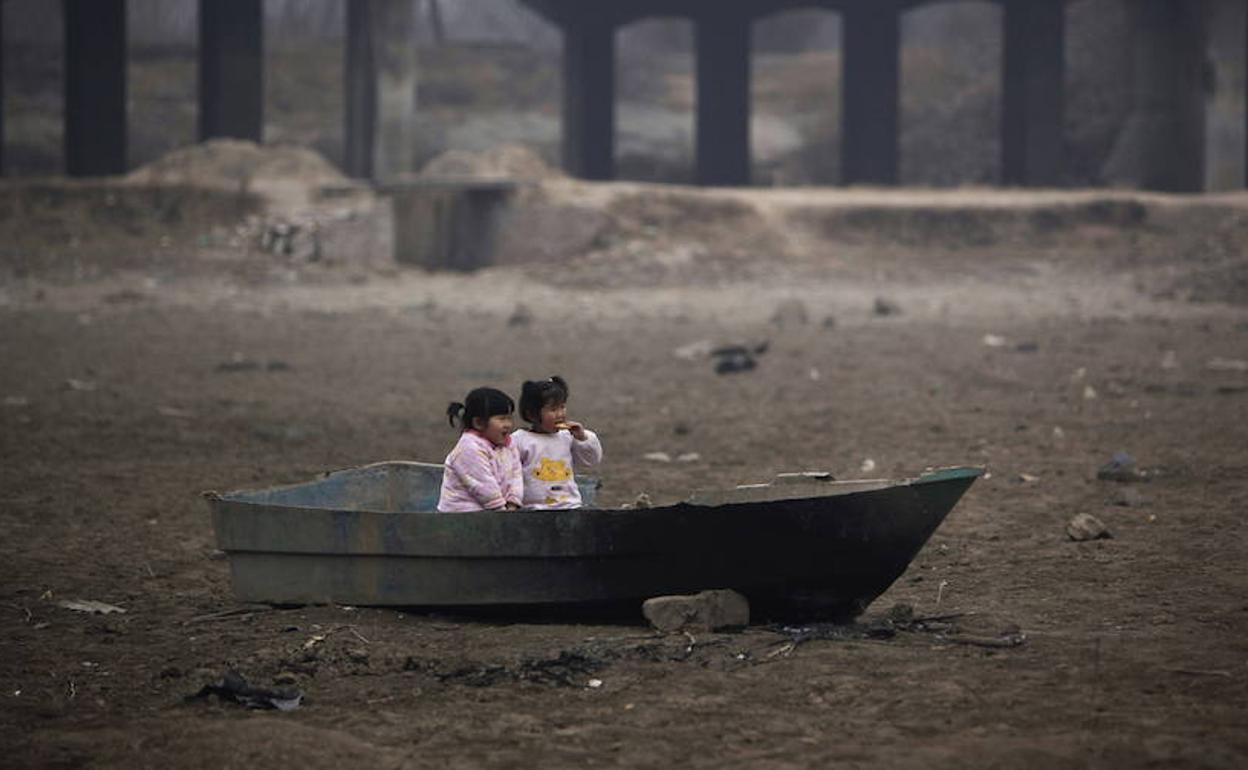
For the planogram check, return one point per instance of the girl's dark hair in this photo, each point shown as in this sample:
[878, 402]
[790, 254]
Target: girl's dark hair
[480, 402]
[535, 395]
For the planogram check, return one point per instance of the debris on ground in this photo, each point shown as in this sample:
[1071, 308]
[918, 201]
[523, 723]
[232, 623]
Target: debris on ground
[737, 358]
[568, 669]
[707, 610]
[1085, 526]
[994, 340]
[89, 606]
[885, 307]
[240, 363]
[658, 457]
[1121, 467]
[233, 688]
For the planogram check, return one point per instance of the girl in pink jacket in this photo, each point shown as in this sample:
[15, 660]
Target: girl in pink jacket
[483, 471]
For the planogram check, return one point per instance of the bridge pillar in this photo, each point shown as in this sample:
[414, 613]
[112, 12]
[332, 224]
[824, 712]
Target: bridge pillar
[1162, 144]
[870, 86]
[723, 99]
[380, 77]
[589, 97]
[95, 87]
[231, 69]
[1032, 92]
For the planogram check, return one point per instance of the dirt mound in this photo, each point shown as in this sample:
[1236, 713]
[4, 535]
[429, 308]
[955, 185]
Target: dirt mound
[508, 161]
[284, 176]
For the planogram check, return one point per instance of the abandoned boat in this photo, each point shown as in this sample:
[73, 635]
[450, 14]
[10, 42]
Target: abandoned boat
[803, 544]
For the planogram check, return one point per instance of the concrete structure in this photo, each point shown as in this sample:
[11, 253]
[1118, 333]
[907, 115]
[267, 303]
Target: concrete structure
[1187, 128]
[95, 87]
[380, 88]
[231, 69]
[1163, 147]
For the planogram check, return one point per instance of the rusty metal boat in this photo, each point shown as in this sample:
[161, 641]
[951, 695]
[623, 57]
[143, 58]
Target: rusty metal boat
[803, 544]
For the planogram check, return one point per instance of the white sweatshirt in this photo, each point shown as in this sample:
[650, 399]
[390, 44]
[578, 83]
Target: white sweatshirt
[547, 459]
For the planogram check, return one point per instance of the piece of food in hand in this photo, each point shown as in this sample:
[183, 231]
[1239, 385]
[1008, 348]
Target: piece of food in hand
[562, 426]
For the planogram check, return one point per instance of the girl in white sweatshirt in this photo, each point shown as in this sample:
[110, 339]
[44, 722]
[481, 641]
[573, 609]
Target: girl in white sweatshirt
[552, 446]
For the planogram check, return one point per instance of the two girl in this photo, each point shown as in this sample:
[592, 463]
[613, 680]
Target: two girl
[494, 468]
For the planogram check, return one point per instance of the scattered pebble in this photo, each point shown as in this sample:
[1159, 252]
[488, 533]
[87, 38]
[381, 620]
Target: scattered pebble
[994, 340]
[658, 457]
[688, 457]
[694, 351]
[1085, 526]
[868, 465]
[1089, 392]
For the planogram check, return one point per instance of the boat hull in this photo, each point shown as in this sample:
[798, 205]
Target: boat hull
[827, 555]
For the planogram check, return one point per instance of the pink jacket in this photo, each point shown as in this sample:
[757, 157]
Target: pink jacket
[479, 475]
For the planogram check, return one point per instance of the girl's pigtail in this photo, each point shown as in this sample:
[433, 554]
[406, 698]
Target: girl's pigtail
[561, 383]
[453, 411]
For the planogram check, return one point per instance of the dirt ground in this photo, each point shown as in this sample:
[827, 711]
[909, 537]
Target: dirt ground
[129, 390]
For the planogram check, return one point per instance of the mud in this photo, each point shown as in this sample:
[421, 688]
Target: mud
[1005, 643]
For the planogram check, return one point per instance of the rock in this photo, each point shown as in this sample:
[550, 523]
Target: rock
[688, 457]
[1085, 526]
[642, 501]
[791, 312]
[706, 611]
[694, 350]
[658, 457]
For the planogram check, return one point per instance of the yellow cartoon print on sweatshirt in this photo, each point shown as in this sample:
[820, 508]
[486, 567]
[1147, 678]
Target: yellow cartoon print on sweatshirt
[552, 470]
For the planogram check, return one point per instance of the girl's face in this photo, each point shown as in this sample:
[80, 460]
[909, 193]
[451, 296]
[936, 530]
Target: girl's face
[551, 415]
[496, 429]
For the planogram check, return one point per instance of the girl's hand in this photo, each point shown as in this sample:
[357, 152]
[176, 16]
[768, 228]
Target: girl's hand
[575, 428]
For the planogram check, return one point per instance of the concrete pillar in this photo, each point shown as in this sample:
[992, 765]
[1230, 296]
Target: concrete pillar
[722, 42]
[95, 87]
[380, 125]
[1162, 144]
[869, 112]
[231, 69]
[1032, 90]
[2, 173]
[589, 97]
[1226, 110]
